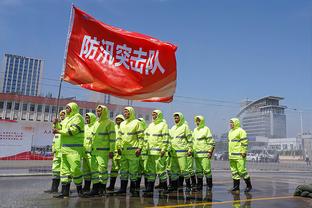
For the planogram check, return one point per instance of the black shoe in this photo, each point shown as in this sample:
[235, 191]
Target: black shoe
[236, 184]
[180, 182]
[173, 186]
[199, 186]
[54, 187]
[248, 185]
[138, 183]
[209, 184]
[145, 182]
[111, 184]
[133, 189]
[150, 187]
[64, 192]
[86, 187]
[164, 187]
[94, 192]
[79, 190]
[123, 187]
[188, 185]
[102, 189]
[193, 178]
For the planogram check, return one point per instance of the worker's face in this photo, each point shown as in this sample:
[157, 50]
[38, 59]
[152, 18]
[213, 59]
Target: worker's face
[87, 119]
[62, 116]
[231, 124]
[99, 111]
[126, 113]
[118, 121]
[176, 119]
[197, 121]
[154, 115]
[68, 109]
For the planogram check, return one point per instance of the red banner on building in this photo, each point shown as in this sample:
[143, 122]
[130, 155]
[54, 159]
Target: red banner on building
[114, 61]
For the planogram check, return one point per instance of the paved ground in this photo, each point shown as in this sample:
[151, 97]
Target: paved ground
[270, 190]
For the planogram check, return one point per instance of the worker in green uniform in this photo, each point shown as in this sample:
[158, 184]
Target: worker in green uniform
[72, 136]
[238, 146]
[56, 149]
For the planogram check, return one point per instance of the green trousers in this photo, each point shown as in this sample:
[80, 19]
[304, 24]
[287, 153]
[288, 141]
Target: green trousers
[86, 166]
[115, 167]
[179, 167]
[190, 165]
[156, 166]
[238, 169]
[56, 165]
[203, 167]
[99, 168]
[71, 168]
[129, 167]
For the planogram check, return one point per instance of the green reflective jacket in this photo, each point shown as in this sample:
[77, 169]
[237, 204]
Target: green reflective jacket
[104, 136]
[72, 132]
[157, 135]
[131, 134]
[180, 141]
[238, 142]
[87, 143]
[202, 139]
[117, 128]
[56, 143]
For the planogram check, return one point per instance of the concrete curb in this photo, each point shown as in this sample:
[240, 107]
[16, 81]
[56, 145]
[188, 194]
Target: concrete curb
[25, 174]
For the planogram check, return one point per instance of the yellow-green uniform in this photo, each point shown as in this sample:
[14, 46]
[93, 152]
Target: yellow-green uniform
[72, 136]
[116, 159]
[202, 146]
[238, 145]
[131, 135]
[157, 139]
[181, 146]
[103, 143]
[87, 145]
[56, 149]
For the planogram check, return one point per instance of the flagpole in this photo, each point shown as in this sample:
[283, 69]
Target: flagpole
[71, 21]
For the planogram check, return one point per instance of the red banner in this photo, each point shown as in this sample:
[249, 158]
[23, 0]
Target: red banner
[114, 61]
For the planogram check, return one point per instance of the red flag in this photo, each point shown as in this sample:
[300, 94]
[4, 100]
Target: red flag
[125, 64]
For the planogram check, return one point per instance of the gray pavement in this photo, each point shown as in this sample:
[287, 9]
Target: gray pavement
[272, 189]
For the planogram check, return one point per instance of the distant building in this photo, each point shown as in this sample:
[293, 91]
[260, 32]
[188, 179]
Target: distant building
[43, 109]
[21, 75]
[307, 144]
[264, 117]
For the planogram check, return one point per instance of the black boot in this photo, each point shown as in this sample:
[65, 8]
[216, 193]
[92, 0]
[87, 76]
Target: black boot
[209, 184]
[193, 178]
[123, 187]
[150, 187]
[145, 182]
[188, 184]
[64, 192]
[86, 187]
[199, 184]
[94, 192]
[79, 190]
[54, 186]
[138, 183]
[164, 187]
[173, 186]
[112, 184]
[102, 189]
[248, 185]
[181, 181]
[236, 184]
[133, 189]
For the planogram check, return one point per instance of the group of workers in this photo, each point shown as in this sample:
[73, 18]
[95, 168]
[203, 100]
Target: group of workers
[82, 149]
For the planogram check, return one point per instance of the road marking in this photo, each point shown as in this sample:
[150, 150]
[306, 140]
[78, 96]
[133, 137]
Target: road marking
[226, 202]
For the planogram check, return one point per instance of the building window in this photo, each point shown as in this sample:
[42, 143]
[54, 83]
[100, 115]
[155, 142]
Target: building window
[39, 108]
[32, 107]
[16, 107]
[111, 114]
[1, 105]
[25, 107]
[53, 109]
[81, 111]
[46, 109]
[9, 105]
